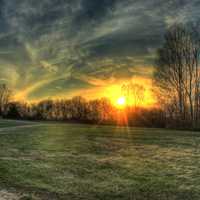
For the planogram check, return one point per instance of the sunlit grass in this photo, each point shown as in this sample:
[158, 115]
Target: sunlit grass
[58, 161]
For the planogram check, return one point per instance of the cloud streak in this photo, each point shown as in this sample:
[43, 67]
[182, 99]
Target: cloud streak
[51, 47]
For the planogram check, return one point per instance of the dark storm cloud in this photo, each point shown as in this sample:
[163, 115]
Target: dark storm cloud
[49, 41]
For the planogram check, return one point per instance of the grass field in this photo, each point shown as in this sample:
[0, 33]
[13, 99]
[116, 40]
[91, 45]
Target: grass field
[71, 161]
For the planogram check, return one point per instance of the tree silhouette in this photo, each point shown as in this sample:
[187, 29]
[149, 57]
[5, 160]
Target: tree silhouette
[177, 72]
[5, 96]
[134, 94]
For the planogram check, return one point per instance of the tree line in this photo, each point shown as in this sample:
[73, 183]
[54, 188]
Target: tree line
[78, 109]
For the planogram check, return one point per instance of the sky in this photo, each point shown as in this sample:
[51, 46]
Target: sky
[63, 48]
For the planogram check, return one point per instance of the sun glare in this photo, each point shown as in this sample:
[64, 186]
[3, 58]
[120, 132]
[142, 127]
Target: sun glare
[121, 101]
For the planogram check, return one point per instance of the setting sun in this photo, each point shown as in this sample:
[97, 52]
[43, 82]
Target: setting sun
[121, 101]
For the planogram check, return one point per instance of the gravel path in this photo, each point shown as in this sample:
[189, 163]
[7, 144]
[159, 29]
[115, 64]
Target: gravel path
[5, 195]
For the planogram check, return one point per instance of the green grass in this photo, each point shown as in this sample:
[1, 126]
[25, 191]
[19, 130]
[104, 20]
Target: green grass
[71, 161]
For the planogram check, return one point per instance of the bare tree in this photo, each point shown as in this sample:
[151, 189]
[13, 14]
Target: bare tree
[5, 96]
[177, 71]
[78, 108]
[134, 94]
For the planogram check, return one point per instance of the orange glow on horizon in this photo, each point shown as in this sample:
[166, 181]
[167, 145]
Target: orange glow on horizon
[112, 91]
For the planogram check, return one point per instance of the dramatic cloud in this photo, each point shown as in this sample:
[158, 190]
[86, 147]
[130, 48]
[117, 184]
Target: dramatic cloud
[51, 48]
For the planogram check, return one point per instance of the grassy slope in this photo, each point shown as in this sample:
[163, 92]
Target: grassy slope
[58, 161]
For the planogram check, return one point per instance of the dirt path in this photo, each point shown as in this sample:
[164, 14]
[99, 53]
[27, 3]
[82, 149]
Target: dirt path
[5, 195]
[18, 127]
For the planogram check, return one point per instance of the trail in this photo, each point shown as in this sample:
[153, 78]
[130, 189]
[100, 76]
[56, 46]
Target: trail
[5, 195]
[18, 127]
